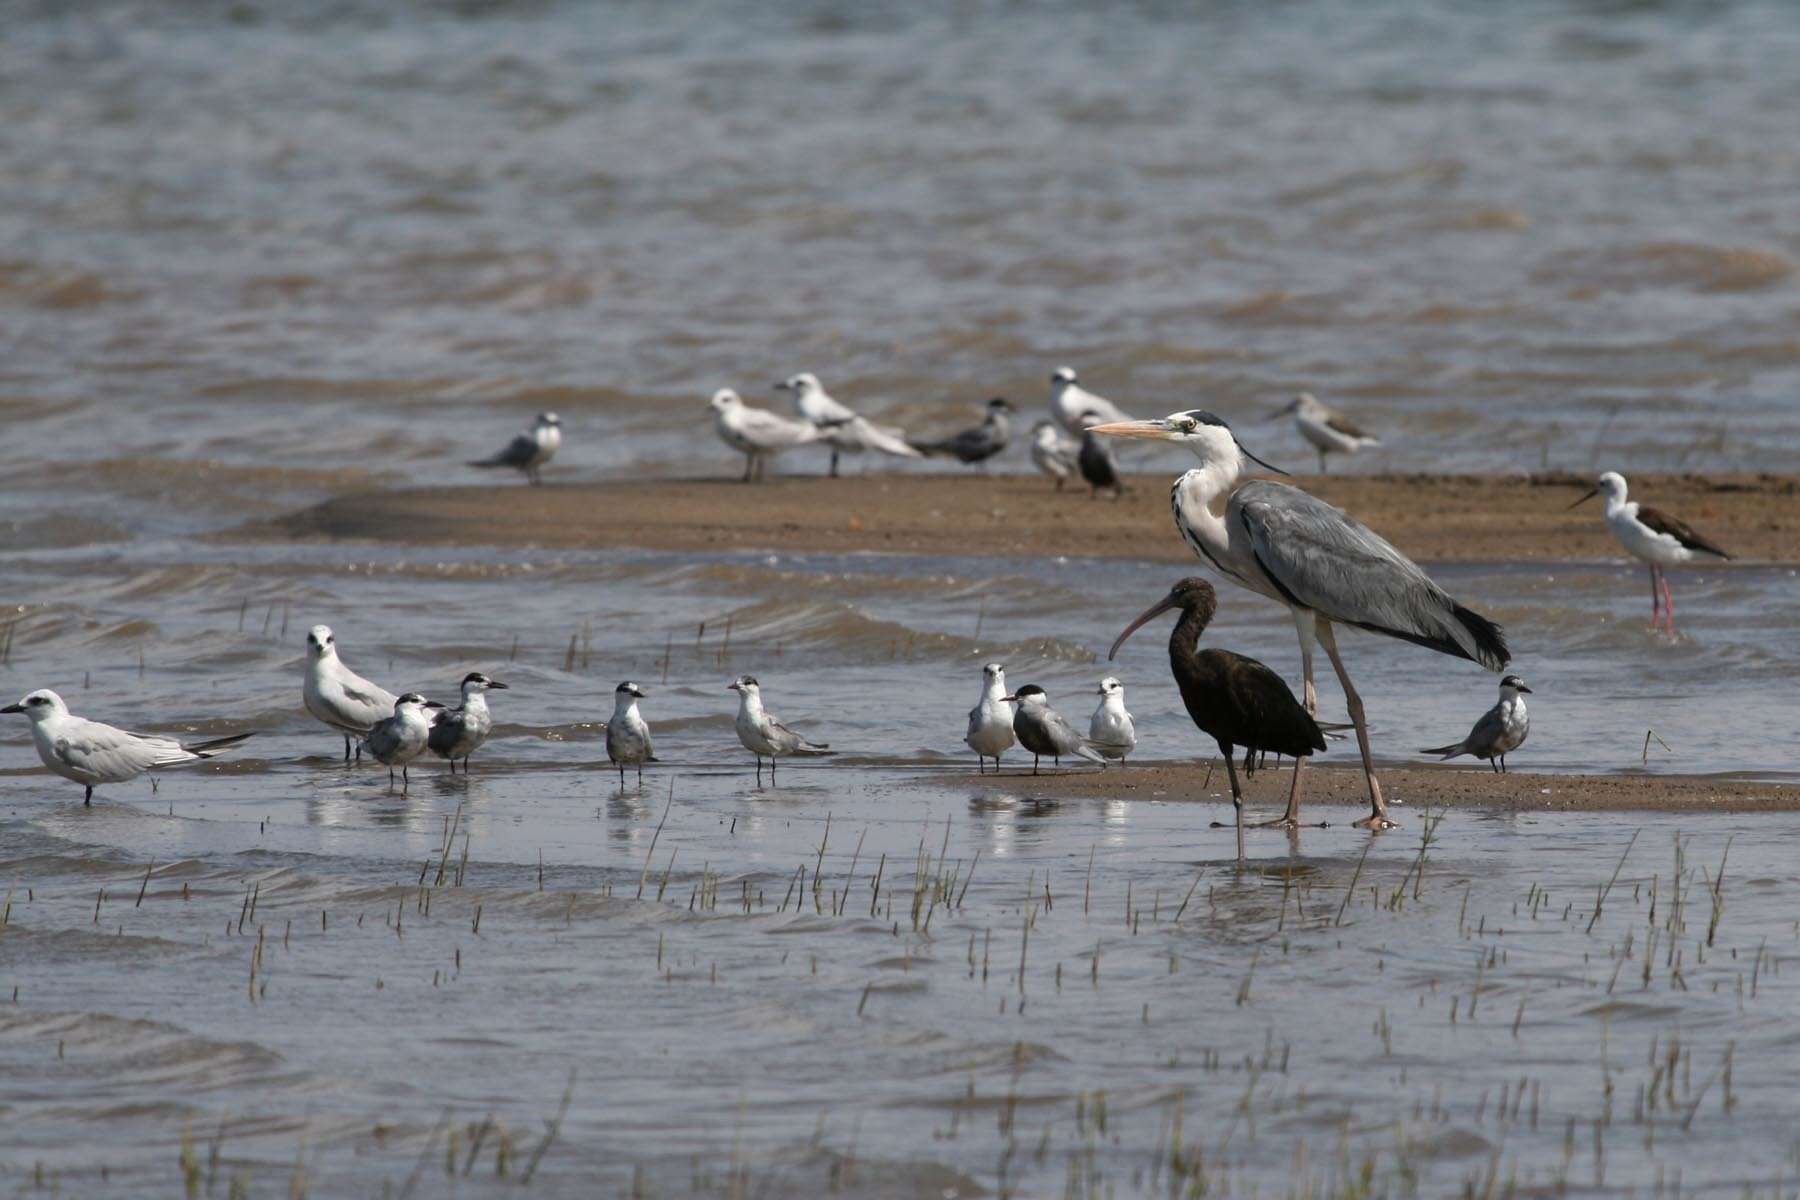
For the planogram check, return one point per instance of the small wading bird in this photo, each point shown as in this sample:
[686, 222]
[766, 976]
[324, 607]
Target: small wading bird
[1500, 731]
[991, 720]
[1098, 466]
[1043, 731]
[1236, 701]
[1053, 453]
[92, 754]
[531, 449]
[459, 732]
[1328, 568]
[1329, 431]
[840, 427]
[1111, 730]
[339, 696]
[1654, 536]
[975, 445]
[401, 738]
[627, 734]
[756, 433]
[761, 733]
[1070, 402]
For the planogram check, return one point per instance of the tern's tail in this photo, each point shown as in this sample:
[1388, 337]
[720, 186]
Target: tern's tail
[814, 750]
[1086, 750]
[210, 748]
[496, 461]
[1450, 751]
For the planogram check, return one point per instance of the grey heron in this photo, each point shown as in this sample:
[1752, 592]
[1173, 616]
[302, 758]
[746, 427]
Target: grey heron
[1326, 567]
[1652, 535]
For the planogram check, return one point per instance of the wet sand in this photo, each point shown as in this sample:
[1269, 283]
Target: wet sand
[1417, 787]
[1434, 518]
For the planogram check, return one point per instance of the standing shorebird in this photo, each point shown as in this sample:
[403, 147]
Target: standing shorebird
[1111, 730]
[842, 428]
[756, 433]
[1500, 731]
[461, 731]
[1069, 402]
[627, 733]
[761, 733]
[1236, 701]
[528, 452]
[991, 720]
[91, 754]
[339, 696]
[403, 736]
[1329, 431]
[1095, 458]
[1655, 537]
[1326, 567]
[1042, 730]
[979, 444]
[1053, 453]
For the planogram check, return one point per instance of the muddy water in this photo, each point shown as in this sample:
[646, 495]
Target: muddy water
[252, 256]
[730, 1030]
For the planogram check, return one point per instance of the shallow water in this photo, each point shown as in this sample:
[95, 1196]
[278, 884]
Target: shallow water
[253, 256]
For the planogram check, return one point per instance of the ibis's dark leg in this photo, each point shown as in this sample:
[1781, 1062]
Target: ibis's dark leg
[1377, 818]
[87, 799]
[1290, 819]
[1249, 762]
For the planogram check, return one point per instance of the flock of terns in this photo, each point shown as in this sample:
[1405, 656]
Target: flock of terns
[1263, 535]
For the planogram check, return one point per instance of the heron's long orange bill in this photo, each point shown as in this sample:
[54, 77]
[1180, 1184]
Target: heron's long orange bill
[1150, 614]
[1154, 430]
[1591, 494]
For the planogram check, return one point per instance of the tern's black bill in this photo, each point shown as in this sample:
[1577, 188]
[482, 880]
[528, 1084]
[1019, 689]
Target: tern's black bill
[11, 708]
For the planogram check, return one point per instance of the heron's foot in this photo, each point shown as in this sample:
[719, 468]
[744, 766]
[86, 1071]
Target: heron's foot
[1375, 821]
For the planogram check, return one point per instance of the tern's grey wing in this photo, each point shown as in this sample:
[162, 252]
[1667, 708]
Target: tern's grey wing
[384, 739]
[518, 453]
[112, 754]
[446, 729]
[784, 737]
[1322, 559]
[974, 722]
[763, 428]
[1488, 733]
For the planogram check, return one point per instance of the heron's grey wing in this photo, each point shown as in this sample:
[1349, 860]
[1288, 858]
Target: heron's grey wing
[1322, 559]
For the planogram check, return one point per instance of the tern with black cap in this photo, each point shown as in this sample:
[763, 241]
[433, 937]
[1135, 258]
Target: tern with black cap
[761, 733]
[1499, 732]
[627, 733]
[1045, 732]
[1326, 567]
[459, 732]
[975, 445]
[401, 738]
[529, 451]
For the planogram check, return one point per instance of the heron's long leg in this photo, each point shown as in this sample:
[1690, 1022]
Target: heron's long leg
[1306, 624]
[1377, 818]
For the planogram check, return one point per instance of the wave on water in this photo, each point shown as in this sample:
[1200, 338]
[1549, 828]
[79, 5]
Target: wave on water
[1678, 265]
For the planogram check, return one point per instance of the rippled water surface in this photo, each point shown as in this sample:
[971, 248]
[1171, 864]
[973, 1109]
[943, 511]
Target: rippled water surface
[256, 255]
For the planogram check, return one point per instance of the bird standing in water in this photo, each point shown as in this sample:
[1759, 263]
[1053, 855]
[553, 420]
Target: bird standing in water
[403, 736]
[627, 733]
[1236, 701]
[1326, 567]
[91, 754]
[991, 720]
[461, 731]
[761, 733]
[1654, 536]
[339, 696]
[1500, 731]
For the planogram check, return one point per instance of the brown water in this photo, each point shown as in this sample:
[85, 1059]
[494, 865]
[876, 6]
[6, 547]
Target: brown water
[251, 257]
